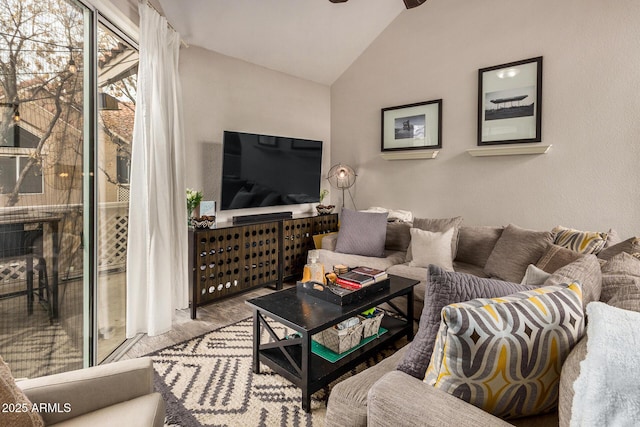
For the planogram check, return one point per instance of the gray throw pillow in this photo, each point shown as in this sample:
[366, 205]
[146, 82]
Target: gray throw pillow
[586, 271]
[362, 233]
[535, 276]
[622, 270]
[556, 257]
[398, 236]
[514, 251]
[475, 243]
[630, 246]
[438, 225]
[444, 288]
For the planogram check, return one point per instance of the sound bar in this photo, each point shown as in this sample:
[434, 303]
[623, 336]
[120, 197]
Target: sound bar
[275, 216]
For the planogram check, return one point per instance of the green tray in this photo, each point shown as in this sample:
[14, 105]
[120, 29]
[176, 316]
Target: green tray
[333, 357]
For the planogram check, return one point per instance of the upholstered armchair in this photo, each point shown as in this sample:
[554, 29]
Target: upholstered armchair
[115, 394]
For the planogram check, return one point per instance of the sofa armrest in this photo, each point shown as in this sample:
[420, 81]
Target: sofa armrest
[87, 390]
[398, 400]
[570, 373]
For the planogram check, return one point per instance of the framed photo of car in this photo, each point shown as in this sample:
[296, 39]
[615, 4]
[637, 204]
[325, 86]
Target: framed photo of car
[412, 126]
[510, 103]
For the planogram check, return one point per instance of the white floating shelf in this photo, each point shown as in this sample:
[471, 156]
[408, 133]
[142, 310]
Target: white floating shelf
[509, 150]
[410, 155]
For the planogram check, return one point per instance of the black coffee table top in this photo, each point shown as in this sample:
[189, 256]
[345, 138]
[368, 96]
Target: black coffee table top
[303, 311]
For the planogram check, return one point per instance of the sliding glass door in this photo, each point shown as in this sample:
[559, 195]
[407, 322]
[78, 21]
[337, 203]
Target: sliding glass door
[44, 48]
[117, 75]
[67, 97]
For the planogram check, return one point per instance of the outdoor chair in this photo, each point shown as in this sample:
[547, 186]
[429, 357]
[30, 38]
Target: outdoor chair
[21, 246]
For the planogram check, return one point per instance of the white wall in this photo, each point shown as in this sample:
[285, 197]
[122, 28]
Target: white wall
[590, 113]
[222, 93]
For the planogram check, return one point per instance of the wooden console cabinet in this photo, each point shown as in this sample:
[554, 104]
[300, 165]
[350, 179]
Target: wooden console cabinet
[230, 259]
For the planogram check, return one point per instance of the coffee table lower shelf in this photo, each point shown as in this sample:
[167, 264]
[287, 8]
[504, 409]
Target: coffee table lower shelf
[321, 371]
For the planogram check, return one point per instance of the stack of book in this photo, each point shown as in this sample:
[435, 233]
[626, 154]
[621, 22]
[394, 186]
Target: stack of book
[360, 277]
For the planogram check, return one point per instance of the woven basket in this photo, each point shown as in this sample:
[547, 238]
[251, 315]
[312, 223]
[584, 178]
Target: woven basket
[340, 341]
[371, 325]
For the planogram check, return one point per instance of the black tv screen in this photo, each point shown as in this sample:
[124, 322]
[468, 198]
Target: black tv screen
[265, 170]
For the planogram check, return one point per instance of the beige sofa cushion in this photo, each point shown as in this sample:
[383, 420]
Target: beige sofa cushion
[330, 258]
[514, 251]
[399, 400]
[475, 244]
[147, 410]
[347, 405]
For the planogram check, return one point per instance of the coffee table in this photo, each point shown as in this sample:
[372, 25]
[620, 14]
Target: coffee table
[291, 356]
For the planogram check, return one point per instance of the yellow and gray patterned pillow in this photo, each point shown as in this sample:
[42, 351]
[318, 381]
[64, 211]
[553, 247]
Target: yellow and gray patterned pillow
[584, 242]
[504, 355]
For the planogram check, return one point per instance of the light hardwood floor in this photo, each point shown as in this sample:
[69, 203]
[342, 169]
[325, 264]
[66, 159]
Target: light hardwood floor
[209, 317]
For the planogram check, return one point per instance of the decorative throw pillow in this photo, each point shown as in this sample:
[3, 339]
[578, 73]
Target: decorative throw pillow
[630, 246]
[607, 388]
[586, 271]
[556, 257]
[535, 276]
[394, 215]
[475, 243]
[613, 238]
[431, 248]
[398, 236]
[620, 271]
[362, 233]
[514, 251]
[11, 394]
[444, 288]
[504, 355]
[627, 296]
[438, 225]
[584, 242]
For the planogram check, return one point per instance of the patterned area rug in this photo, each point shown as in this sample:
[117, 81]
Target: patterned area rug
[208, 381]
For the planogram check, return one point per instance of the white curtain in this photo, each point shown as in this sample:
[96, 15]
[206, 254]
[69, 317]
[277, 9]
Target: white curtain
[157, 281]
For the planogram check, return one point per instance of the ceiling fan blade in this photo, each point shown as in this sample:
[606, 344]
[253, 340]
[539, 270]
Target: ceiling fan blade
[412, 3]
[337, 1]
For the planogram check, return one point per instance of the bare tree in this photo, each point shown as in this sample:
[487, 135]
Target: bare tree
[38, 42]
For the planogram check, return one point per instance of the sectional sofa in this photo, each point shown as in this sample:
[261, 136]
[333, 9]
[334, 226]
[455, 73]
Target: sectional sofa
[490, 262]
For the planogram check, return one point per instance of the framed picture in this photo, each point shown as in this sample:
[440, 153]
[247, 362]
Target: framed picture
[510, 103]
[412, 127]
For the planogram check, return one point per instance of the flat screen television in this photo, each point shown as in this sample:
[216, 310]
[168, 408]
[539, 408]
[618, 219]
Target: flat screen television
[266, 170]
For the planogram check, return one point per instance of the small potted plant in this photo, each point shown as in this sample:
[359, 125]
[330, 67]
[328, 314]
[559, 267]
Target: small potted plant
[193, 203]
[322, 209]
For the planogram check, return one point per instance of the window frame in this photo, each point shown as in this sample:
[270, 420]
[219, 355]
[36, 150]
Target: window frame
[21, 154]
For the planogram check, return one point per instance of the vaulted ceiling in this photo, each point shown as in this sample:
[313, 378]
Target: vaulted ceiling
[312, 39]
